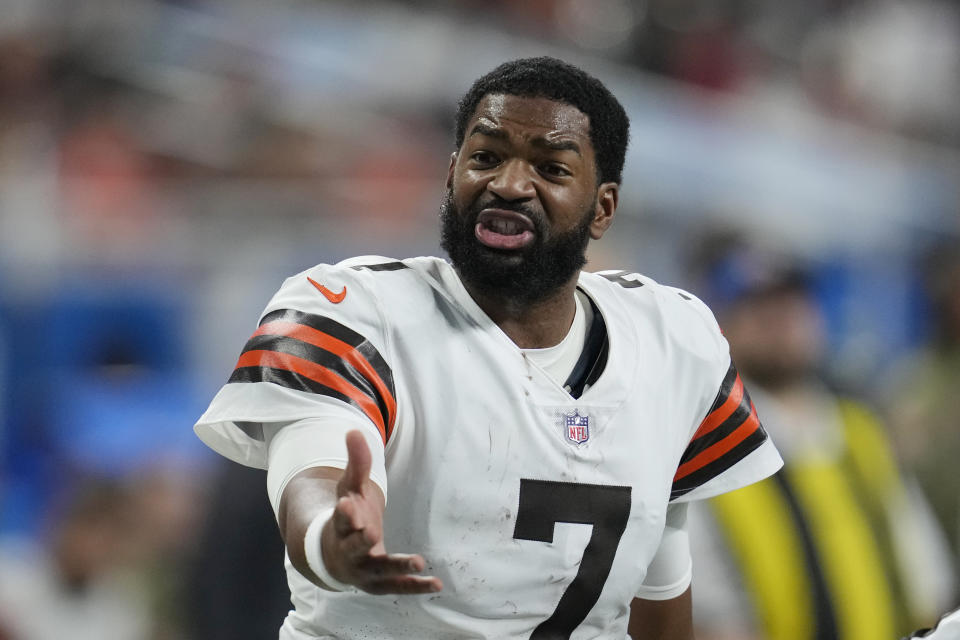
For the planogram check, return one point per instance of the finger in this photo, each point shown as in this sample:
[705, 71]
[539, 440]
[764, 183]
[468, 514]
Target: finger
[359, 460]
[406, 585]
[392, 573]
[386, 566]
[415, 561]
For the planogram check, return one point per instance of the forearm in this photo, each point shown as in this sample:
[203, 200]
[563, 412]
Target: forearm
[306, 460]
[345, 550]
[662, 619]
[306, 495]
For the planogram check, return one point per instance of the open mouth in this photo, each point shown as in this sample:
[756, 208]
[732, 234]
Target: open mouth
[503, 229]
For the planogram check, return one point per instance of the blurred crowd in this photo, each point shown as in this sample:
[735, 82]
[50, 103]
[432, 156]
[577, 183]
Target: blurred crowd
[850, 59]
[163, 165]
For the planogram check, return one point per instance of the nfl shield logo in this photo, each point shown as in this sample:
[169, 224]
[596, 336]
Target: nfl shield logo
[577, 426]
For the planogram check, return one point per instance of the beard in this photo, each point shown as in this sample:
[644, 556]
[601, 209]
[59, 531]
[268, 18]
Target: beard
[527, 275]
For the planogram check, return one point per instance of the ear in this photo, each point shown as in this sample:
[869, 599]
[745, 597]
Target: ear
[453, 163]
[608, 195]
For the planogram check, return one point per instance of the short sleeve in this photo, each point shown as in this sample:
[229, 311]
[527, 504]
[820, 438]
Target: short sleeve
[320, 351]
[728, 448]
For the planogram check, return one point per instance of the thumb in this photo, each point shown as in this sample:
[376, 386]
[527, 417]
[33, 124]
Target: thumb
[359, 460]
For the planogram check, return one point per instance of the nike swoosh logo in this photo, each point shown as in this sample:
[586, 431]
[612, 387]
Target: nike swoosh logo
[335, 298]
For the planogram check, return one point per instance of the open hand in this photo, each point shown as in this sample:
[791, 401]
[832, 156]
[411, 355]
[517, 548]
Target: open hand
[352, 540]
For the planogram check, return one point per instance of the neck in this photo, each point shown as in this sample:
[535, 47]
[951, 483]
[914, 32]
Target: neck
[531, 325]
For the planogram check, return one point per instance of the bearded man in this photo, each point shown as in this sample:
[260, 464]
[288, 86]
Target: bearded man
[504, 443]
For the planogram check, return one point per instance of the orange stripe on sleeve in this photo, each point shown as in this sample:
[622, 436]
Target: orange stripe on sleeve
[317, 373]
[724, 411]
[717, 450]
[337, 347]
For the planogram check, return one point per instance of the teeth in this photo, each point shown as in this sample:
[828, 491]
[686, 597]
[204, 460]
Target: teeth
[505, 227]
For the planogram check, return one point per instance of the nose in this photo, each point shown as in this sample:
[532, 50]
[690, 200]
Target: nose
[513, 181]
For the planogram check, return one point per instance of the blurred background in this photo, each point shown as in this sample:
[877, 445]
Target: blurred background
[164, 165]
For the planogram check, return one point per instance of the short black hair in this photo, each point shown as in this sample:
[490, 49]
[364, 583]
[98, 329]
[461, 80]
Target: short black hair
[546, 77]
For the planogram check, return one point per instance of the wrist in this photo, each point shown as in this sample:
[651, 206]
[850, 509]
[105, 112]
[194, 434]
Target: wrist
[313, 550]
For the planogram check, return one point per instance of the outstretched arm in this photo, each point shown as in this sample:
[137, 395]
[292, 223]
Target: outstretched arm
[662, 619]
[351, 542]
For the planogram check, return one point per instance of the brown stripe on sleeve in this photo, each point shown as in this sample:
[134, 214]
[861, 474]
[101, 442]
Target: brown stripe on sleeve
[729, 432]
[316, 354]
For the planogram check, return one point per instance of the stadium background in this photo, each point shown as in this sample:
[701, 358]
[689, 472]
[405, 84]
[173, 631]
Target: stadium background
[164, 165]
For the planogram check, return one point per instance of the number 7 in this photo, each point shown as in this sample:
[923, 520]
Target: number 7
[543, 504]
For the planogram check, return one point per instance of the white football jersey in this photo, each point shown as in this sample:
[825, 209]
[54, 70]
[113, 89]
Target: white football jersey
[539, 505]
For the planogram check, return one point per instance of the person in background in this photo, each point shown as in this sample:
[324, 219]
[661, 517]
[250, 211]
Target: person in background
[235, 587]
[838, 544]
[78, 585]
[924, 399]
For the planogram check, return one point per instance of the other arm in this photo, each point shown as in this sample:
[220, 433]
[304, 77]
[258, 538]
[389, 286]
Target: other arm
[663, 608]
[662, 619]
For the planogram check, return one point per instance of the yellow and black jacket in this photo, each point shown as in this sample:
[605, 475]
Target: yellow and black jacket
[814, 543]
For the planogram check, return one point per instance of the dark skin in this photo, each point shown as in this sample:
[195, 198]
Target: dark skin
[531, 150]
[538, 152]
[662, 619]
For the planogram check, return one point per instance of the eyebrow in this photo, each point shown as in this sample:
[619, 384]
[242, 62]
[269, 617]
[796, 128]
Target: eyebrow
[539, 141]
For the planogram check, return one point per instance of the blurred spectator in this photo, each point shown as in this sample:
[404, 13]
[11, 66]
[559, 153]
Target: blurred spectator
[29, 237]
[236, 588]
[882, 45]
[105, 175]
[836, 545]
[924, 401]
[166, 505]
[76, 584]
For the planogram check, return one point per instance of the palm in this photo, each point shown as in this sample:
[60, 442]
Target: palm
[353, 545]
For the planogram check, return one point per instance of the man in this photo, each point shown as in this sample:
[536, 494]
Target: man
[922, 397]
[536, 429]
[838, 544]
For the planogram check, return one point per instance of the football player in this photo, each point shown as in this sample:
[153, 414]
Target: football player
[503, 443]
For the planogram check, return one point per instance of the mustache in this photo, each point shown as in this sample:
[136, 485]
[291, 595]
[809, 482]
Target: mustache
[496, 202]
